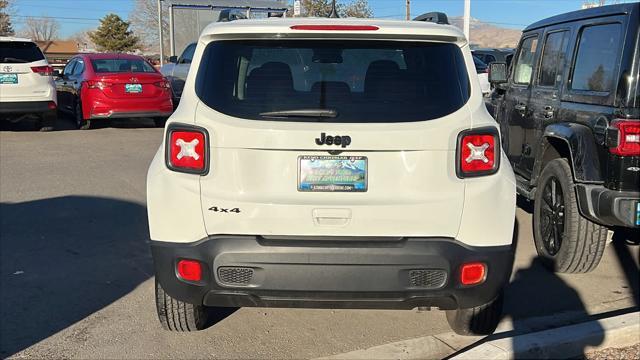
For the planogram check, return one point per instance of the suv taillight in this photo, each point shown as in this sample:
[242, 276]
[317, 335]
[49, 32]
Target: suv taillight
[627, 140]
[478, 152]
[44, 70]
[187, 149]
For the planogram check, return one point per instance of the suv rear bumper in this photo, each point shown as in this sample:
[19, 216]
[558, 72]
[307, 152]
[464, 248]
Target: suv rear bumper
[609, 207]
[25, 107]
[331, 272]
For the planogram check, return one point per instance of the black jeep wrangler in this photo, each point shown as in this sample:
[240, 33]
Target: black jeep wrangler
[569, 110]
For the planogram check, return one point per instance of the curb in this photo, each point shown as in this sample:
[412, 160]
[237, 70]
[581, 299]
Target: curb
[563, 342]
[560, 342]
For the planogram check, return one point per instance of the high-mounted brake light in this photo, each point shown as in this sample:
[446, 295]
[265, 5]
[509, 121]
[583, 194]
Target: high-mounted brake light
[187, 149]
[44, 70]
[627, 141]
[478, 152]
[189, 270]
[335, 27]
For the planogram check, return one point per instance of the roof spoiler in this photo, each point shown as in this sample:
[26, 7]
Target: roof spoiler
[434, 17]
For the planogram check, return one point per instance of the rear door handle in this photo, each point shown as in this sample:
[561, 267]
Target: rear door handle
[331, 217]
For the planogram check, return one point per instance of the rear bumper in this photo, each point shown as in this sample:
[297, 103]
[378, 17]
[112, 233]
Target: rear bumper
[130, 114]
[25, 107]
[609, 207]
[98, 106]
[380, 273]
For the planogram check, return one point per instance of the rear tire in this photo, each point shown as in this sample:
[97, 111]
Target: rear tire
[476, 321]
[47, 122]
[176, 315]
[81, 122]
[566, 240]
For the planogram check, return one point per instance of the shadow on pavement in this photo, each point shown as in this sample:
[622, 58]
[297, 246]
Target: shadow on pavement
[536, 291]
[66, 123]
[63, 259]
[623, 241]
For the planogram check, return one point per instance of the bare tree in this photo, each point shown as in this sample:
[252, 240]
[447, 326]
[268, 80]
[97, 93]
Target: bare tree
[82, 39]
[41, 29]
[144, 22]
[6, 27]
[322, 8]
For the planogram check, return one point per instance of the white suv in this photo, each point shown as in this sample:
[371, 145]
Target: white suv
[335, 163]
[26, 83]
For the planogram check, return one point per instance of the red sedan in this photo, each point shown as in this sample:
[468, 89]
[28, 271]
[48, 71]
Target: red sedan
[96, 87]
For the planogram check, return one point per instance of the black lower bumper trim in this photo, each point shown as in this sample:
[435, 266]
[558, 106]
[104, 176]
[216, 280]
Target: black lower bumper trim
[25, 107]
[608, 207]
[329, 273]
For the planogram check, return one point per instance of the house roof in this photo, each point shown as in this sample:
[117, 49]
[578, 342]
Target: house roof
[58, 47]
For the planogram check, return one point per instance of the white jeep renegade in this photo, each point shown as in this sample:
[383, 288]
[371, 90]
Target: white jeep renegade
[334, 163]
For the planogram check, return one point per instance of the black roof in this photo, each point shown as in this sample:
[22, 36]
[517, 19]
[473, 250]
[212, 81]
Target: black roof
[586, 14]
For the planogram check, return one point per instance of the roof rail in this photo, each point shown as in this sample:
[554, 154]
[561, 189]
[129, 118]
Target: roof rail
[434, 17]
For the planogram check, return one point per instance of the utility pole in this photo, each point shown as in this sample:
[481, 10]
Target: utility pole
[467, 17]
[160, 32]
[408, 9]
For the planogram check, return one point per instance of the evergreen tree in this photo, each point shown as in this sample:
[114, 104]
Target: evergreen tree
[114, 35]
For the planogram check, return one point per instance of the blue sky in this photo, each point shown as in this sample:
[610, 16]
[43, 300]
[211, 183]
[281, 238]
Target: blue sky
[76, 15]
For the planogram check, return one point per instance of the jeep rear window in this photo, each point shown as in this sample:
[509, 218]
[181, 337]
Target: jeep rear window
[343, 81]
[15, 52]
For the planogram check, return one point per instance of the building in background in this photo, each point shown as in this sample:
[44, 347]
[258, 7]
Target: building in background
[190, 17]
[58, 52]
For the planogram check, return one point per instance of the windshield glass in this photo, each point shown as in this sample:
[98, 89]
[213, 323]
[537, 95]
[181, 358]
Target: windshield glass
[122, 65]
[19, 52]
[333, 81]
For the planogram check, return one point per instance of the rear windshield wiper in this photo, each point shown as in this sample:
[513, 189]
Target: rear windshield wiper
[13, 60]
[301, 113]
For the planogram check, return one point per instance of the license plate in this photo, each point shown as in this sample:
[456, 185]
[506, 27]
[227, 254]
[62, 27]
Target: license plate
[133, 88]
[8, 78]
[332, 173]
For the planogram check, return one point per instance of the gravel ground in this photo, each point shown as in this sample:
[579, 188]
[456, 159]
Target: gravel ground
[626, 353]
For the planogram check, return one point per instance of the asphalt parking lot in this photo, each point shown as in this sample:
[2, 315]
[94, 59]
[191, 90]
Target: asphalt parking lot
[76, 273]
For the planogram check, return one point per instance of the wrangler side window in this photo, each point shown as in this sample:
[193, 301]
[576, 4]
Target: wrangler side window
[525, 62]
[553, 57]
[597, 58]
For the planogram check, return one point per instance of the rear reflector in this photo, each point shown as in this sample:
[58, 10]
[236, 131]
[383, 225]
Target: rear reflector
[52, 105]
[628, 138]
[44, 70]
[187, 149]
[335, 27]
[478, 152]
[189, 270]
[473, 273]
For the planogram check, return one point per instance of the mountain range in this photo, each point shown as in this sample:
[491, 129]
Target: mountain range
[486, 35]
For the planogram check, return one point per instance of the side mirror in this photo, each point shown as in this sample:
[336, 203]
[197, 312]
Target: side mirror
[497, 73]
[173, 59]
[56, 73]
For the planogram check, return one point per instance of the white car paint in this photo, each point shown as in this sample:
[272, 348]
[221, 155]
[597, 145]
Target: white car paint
[485, 86]
[414, 188]
[31, 86]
